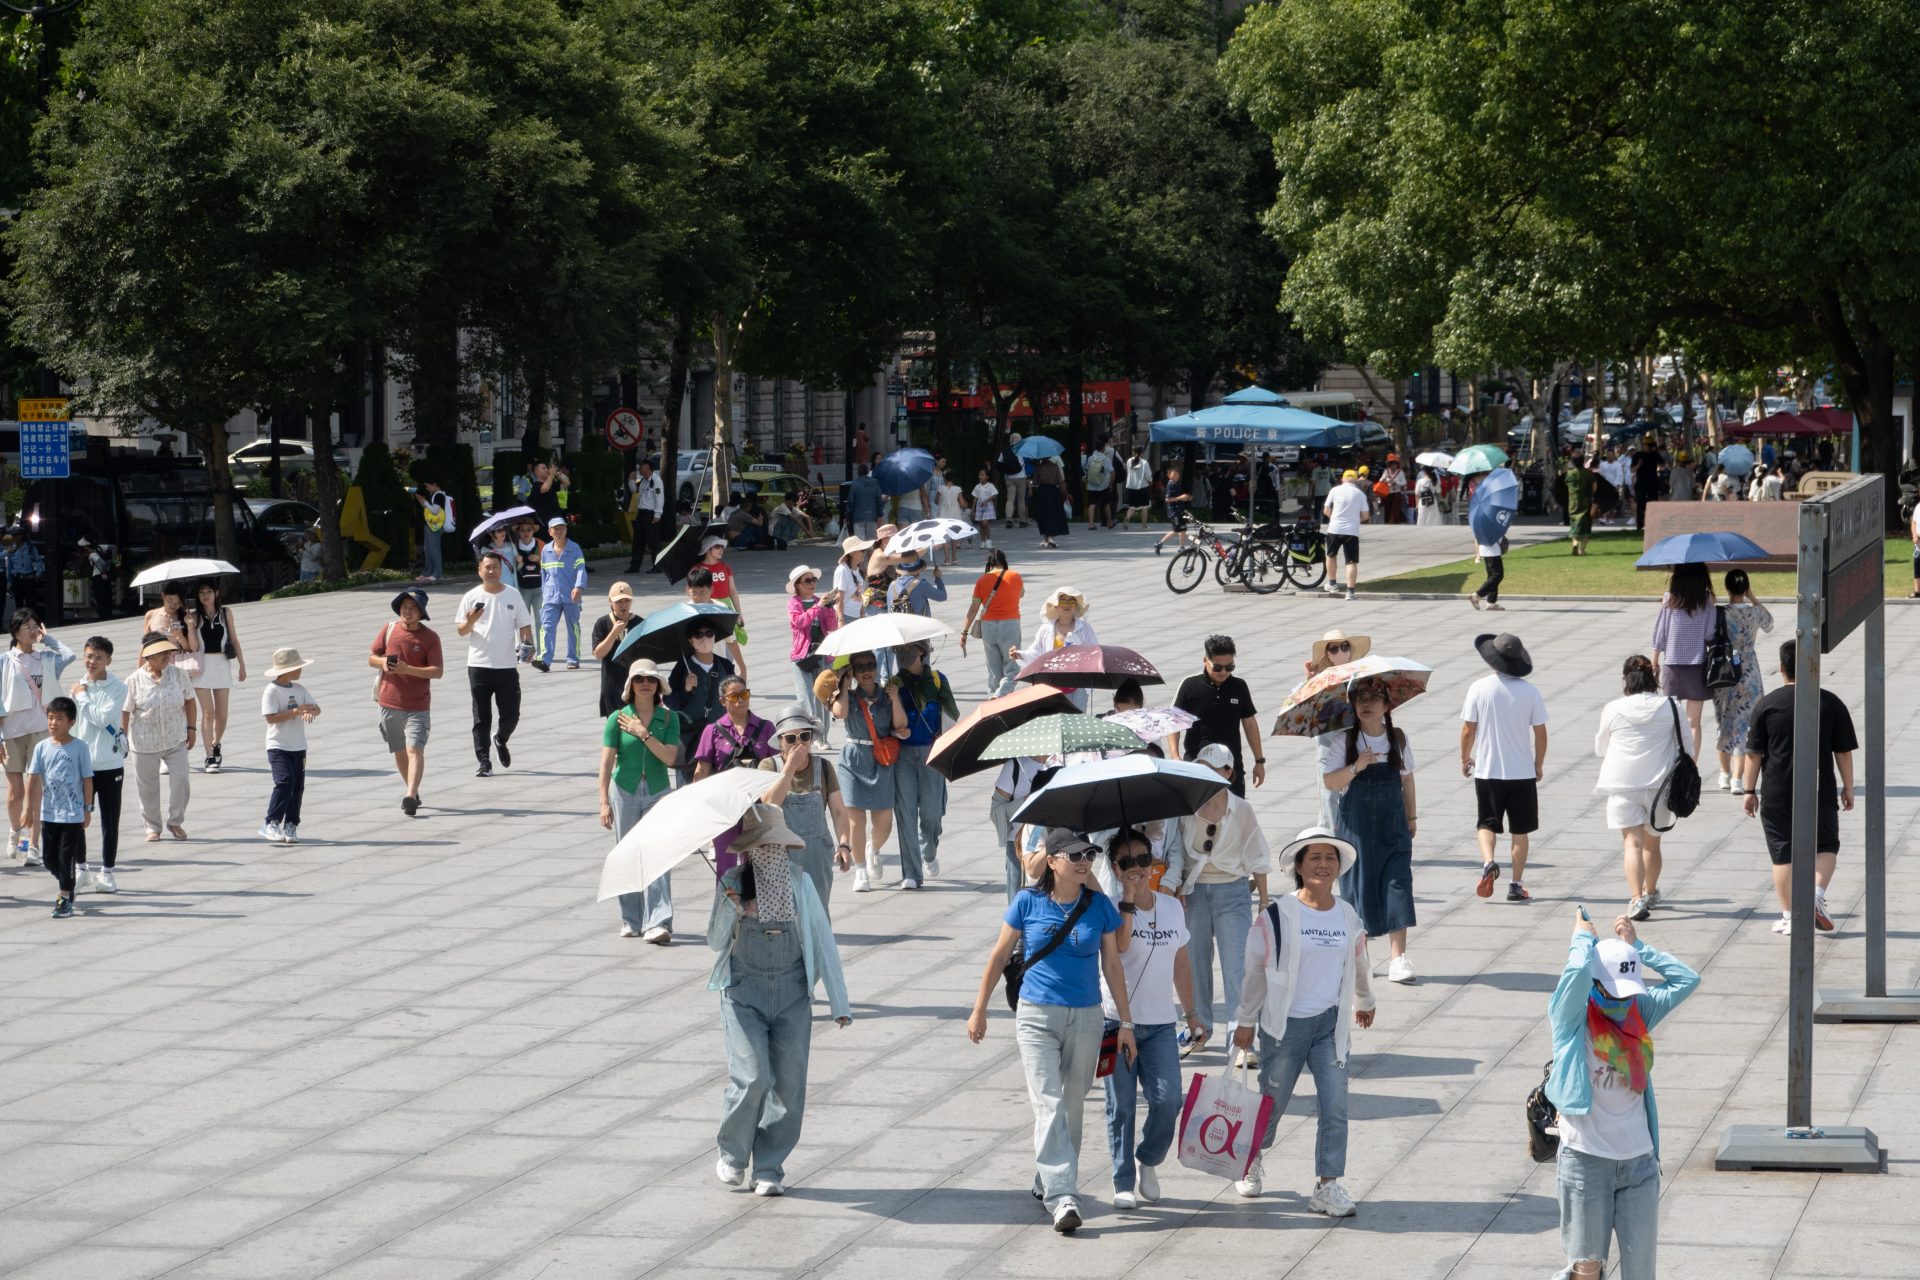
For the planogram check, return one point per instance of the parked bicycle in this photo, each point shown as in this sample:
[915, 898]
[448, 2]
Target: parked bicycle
[1188, 567]
[1255, 559]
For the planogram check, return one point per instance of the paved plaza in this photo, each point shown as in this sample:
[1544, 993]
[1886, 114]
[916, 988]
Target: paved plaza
[416, 1048]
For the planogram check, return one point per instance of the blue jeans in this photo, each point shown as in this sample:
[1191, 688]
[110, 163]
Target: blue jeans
[652, 909]
[768, 1019]
[1308, 1042]
[551, 612]
[1059, 1047]
[1157, 1073]
[1219, 916]
[1002, 812]
[995, 638]
[1601, 1199]
[919, 808]
[430, 553]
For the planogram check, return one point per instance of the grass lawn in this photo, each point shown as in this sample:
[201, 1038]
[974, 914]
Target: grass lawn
[1606, 570]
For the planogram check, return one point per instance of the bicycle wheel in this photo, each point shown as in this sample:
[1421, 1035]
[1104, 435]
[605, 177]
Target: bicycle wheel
[1227, 566]
[1187, 570]
[1263, 569]
[1305, 572]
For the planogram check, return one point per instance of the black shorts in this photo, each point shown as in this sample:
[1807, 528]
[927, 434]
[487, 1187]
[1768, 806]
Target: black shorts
[1777, 826]
[1516, 800]
[1139, 499]
[1344, 542]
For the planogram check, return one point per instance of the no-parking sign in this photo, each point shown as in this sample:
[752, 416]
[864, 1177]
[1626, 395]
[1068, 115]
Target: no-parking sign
[624, 429]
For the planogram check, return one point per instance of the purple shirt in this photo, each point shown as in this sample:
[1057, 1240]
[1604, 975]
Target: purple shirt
[720, 745]
[1680, 637]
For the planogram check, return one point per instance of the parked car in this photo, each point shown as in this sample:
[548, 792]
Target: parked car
[251, 459]
[287, 519]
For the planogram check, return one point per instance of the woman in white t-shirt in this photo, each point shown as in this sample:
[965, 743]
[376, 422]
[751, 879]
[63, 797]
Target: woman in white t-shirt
[984, 494]
[1368, 769]
[949, 504]
[1307, 980]
[1156, 968]
[1210, 858]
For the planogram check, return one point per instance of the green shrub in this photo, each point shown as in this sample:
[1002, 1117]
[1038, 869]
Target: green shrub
[364, 578]
[593, 498]
[506, 466]
[451, 465]
[392, 513]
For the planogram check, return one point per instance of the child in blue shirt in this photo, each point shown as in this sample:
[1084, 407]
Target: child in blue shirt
[60, 790]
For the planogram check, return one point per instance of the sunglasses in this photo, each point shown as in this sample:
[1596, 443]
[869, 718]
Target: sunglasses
[861, 668]
[738, 695]
[808, 577]
[1213, 829]
[1078, 855]
[1223, 667]
[1339, 646]
[708, 636]
[788, 739]
[1138, 862]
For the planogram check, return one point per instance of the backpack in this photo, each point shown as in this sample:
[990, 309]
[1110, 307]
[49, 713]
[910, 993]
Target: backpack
[1010, 463]
[1098, 473]
[1681, 790]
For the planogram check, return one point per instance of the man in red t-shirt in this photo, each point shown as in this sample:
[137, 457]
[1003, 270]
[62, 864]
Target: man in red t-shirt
[407, 656]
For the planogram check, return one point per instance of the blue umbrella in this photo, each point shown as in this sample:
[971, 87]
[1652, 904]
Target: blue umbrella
[1737, 459]
[1257, 395]
[1259, 423]
[1700, 548]
[663, 636]
[1494, 500]
[903, 471]
[1035, 448]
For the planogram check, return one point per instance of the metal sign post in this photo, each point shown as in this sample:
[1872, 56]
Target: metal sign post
[46, 454]
[1840, 588]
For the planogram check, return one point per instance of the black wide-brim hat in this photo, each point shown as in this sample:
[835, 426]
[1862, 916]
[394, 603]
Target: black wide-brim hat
[1505, 654]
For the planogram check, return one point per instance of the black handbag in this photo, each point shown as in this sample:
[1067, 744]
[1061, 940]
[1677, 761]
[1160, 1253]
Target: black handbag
[1681, 790]
[1723, 664]
[1543, 1121]
[1019, 962]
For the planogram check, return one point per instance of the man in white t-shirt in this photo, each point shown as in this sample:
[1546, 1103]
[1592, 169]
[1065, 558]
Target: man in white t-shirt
[1503, 748]
[499, 631]
[1347, 508]
[1156, 968]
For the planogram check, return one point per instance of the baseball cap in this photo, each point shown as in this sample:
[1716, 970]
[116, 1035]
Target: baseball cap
[1061, 841]
[1349, 475]
[1215, 755]
[1616, 963]
[620, 590]
[558, 522]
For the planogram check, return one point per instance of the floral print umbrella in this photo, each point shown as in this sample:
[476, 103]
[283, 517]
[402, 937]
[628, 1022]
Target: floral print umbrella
[1090, 666]
[1320, 705]
[1154, 723]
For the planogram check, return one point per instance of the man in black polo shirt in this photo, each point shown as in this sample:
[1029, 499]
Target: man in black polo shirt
[1770, 766]
[1224, 707]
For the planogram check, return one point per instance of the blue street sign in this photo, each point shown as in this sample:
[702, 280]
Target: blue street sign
[45, 451]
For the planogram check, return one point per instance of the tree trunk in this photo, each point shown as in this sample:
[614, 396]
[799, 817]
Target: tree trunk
[531, 435]
[679, 362]
[436, 389]
[718, 477]
[1864, 356]
[213, 445]
[942, 387]
[330, 488]
[1076, 427]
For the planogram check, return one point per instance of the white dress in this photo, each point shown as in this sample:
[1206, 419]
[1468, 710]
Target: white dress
[1426, 496]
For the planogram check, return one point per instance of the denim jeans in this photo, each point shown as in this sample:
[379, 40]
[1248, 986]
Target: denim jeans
[1308, 1042]
[652, 909]
[430, 553]
[552, 613]
[768, 1018]
[1601, 1199]
[289, 786]
[1059, 1047]
[995, 638]
[1219, 916]
[803, 694]
[919, 809]
[1002, 813]
[1157, 1073]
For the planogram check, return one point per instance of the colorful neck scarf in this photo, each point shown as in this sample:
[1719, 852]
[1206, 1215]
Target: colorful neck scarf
[1624, 1043]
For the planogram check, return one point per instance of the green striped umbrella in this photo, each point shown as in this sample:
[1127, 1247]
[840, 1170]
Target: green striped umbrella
[1061, 734]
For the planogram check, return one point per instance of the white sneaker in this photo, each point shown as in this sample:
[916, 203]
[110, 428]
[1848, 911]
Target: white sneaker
[84, 881]
[728, 1174]
[1477, 603]
[1251, 1185]
[628, 931]
[289, 833]
[1149, 1186]
[1066, 1219]
[1330, 587]
[909, 883]
[33, 857]
[1400, 969]
[1332, 1199]
[932, 867]
[860, 881]
[875, 871]
[658, 936]
[1784, 925]
[768, 1187]
[270, 832]
[105, 881]
[1739, 786]
[1726, 780]
[16, 847]
[1125, 1200]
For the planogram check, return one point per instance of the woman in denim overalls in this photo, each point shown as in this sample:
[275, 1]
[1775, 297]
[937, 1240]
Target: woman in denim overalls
[774, 944]
[811, 807]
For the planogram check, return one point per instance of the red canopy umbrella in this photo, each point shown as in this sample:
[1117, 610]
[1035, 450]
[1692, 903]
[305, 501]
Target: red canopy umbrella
[1812, 422]
[1090, 666]
[956, 753]
[1837, 421]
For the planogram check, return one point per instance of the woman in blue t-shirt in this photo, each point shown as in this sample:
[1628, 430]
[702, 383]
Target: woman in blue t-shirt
[1058, 1022]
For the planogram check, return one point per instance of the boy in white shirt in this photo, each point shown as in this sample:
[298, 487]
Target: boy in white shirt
[287, 708]
[101, 702]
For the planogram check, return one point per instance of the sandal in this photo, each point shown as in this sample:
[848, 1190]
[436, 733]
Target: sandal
[177, 832]
[153, 837]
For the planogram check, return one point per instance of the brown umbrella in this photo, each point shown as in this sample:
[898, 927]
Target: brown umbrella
[957, 753]
[1090, 666]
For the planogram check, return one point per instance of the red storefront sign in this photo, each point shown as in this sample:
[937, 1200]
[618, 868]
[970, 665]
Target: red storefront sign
[1097, 399]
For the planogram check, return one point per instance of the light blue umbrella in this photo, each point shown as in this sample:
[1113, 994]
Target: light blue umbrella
[1737, 459]
[903, 471]
[1256, 424]
[1257, 395]
[1476, 458]
[1034, 448]
[1711, 547]
[1495, 499]
[663, 635]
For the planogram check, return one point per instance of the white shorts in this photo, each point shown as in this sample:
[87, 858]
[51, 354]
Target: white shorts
[216, 672]
[1636, 809]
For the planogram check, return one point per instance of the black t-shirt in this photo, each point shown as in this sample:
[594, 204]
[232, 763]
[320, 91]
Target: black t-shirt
[613, 669]
[1771, 738]
[1646, 472]
[1220, 708]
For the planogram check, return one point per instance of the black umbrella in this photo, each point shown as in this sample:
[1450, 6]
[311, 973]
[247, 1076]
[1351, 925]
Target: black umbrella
[1104, 794]
[663, 636]
[683, 552]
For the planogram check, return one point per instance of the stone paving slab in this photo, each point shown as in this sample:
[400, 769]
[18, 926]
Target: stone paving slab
[416, 1048]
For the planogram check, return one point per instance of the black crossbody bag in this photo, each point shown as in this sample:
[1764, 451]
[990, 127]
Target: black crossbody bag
[1019, 962]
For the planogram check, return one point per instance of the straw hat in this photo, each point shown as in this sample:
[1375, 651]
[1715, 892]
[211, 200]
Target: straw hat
[798, 572]
[764, 824]
[284, 661]
[1291, 851]
[1052, 606]
[1362, 645]
[853, 542]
